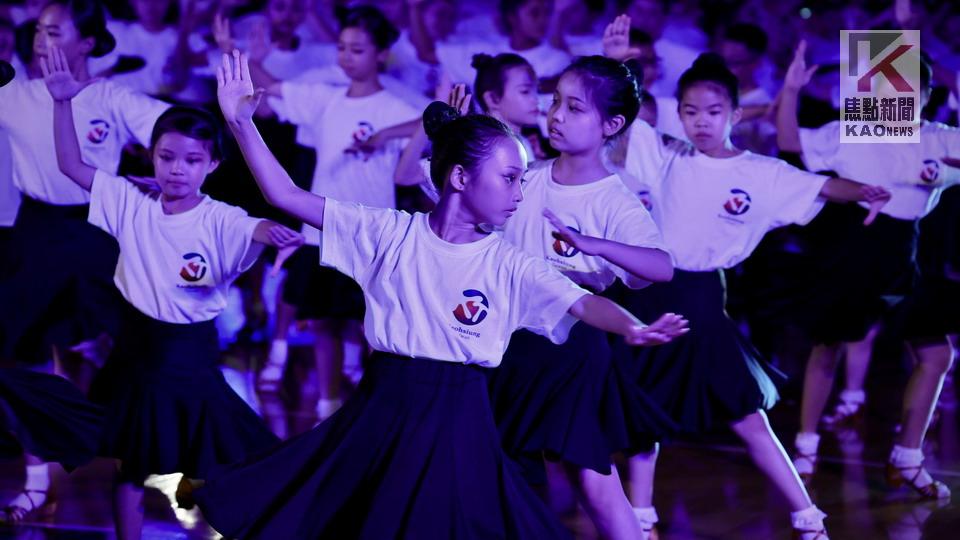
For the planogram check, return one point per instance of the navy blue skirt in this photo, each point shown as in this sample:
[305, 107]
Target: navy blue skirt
[708, 377]
[168, 408]
[856, 271]
[56, 284]
[414, 453]
[564, 402]
[47, 416]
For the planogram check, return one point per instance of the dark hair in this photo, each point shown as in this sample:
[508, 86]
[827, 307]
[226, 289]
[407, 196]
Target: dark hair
[710, 68]
[190, 122]
[610, 85]
[460, 140]
[750, 36]
[7, 24]
[926, 71]
[492, 74]
[89, 18]
[372, 21]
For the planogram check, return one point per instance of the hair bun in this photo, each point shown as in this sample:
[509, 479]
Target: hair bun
[7, 73]
[710, 60]
[481, 60]
[437, 115]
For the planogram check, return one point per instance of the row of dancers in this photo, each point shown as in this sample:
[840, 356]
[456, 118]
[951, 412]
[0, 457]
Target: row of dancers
[507, 247]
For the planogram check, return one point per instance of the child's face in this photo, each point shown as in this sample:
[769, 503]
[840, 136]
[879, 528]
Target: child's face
[55, 28]
[518, 105]
[285, 17]
[151, 12]
[532, 19]
[494, 193]
[440, 18]
[740, 60]
[573, 122]
[647, 15]
[181, 164]
[358, 55]
[707, 116]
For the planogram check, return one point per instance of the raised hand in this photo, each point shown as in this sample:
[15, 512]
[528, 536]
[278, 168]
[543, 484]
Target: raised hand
[259, 44]
[56, 74]
[221, 32]
[286, 241]
[663, 330]
[877, 197]
[459, 99]
[586, 244]
[798, 74]
[235, 93]
[616, 39]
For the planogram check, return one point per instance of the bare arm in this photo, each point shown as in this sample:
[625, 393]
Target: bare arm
[649, 264]
[238, 101]
[606, 315]
[798, 75]
[844, 190]
[408, 171]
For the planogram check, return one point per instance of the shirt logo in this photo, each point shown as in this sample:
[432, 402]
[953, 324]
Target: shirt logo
[473, 310]
[931, 171]
[645, 199]
[99, 131]
[564, 249]
[363, 132]
[738, 204]
[195, 268]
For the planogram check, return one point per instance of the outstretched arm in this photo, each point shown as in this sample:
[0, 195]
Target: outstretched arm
[844, 190]
[238, 101]
[606, 315]
[284, 239]
[63, 87]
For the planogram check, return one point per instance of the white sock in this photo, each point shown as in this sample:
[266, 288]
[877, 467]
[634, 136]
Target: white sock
[353, 360]
[902, 456]
[38, 479]
[647, 517]
[806, 445]
[809, 519]
[853, 397]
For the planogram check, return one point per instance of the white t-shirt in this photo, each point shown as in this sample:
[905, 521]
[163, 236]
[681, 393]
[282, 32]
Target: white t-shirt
[175, 268]
[106, 115]
[428, 298]
[9, 195]
[335, 122]
[155, 48]
[714, 212]
[605, 209]
[906, 170]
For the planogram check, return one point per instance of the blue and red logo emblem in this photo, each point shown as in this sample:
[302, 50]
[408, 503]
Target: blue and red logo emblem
[738, 204]
[195, 268]
[564, 249]
[931, 171]
[99, 131]
[473, 309]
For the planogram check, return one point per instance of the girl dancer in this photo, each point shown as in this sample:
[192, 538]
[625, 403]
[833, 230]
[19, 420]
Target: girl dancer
[713, 208]
[168, 408]
[414, 453]
[563, 400]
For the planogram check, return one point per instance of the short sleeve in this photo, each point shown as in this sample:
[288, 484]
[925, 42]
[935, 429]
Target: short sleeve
[354, 236]
[238, 249]
[546, 296]
[819, 146]
[302, 103]
[646, 154]
[112, 198]
[796, 195]
[138, 112]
